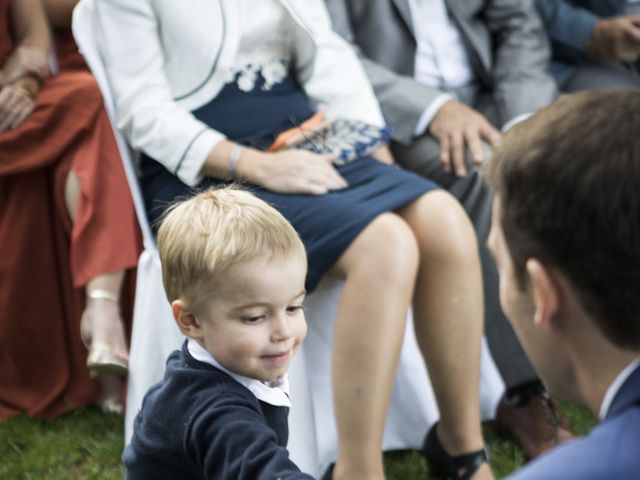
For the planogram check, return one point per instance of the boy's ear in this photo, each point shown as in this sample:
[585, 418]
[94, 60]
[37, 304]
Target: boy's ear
[546, 292]
[186, 320]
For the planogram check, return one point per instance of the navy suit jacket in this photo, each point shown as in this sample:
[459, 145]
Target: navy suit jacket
[610, 451]
[569, 24]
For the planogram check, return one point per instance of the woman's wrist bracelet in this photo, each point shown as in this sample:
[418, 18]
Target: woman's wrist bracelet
[234, 156]
[24, 91]
[28, 86]
[103, 294]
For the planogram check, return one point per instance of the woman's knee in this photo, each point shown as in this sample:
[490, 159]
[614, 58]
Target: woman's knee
[441, 226]
[386, 246]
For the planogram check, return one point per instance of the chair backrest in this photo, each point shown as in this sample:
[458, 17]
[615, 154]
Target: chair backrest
[86, 33]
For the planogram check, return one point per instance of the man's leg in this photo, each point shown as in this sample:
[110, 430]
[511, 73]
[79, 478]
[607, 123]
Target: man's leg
[602, 75]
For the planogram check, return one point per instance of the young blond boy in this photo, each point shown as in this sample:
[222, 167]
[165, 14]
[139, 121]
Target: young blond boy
[234, 272]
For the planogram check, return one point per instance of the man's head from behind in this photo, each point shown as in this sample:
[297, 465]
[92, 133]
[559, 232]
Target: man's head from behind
[566, 227]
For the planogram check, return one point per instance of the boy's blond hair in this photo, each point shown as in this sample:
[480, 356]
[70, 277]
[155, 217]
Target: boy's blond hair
[201, 237]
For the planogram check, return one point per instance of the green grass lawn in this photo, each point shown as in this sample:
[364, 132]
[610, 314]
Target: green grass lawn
[86, 444]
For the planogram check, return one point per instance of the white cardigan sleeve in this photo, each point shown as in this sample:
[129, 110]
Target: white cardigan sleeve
[146, 112]
[332, 75]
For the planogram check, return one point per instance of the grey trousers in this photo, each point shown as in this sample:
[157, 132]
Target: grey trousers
[422, 157]
[602, 75]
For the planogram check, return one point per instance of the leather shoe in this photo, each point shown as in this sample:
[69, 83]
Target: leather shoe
[535, 426]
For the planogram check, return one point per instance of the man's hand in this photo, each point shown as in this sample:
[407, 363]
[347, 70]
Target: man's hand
[15, 107]
[455, 126]
[616, 38]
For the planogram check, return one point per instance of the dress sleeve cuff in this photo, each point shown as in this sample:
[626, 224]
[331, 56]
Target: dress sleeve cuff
[190, 166]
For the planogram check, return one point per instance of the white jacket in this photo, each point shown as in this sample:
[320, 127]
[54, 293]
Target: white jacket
[166, 57]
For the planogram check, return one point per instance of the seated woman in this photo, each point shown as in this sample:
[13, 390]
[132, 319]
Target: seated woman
[207, 89]
[67, 229]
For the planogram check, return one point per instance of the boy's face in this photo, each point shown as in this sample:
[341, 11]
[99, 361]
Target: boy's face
[254, 322]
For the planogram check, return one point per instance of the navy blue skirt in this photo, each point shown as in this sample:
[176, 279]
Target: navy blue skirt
[326, 223]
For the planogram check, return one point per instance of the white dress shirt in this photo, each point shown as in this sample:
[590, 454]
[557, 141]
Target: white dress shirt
[612, 391]
[441, 59]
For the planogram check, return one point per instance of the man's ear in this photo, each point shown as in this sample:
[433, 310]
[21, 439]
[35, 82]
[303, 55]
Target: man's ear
[546, 292]
[186, 320]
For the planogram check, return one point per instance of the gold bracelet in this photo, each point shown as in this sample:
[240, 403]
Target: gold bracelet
[27, 92]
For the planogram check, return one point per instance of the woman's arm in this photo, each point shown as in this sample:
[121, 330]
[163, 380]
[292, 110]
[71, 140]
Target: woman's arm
[290, 171]
[155, 123]
[31, 56]
[146, 112]
[26, 67]
[232, 438]
[334, 79]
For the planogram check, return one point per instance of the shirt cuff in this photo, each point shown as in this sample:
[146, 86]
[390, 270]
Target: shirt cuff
[585, 22]
[514, 120]
[430, 112]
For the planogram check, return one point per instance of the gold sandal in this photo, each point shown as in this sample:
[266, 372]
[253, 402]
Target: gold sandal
[102, 359]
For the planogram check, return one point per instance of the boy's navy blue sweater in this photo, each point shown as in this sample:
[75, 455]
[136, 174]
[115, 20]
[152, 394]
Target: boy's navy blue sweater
[199, 423]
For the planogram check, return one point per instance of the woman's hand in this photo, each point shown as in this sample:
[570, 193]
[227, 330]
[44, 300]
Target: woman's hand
[25, 61]
[285, 171]
[291, 171]
[15, 106]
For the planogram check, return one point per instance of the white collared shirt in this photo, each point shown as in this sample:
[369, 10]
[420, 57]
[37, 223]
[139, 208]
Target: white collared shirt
[441, 59]
[612, 391]
[276, 395]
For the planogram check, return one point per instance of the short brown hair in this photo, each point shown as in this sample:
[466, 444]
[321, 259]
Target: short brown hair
[201, 237]
[568, 182]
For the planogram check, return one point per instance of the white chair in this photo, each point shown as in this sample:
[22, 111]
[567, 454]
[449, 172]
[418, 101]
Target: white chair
[312, 439]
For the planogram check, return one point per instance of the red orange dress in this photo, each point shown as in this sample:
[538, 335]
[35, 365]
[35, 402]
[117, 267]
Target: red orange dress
[44, 260]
